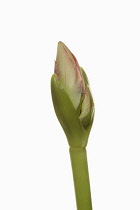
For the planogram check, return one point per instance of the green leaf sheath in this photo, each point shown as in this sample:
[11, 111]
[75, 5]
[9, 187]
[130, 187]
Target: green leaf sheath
[76, 133]
[66, 115]
[81, 178]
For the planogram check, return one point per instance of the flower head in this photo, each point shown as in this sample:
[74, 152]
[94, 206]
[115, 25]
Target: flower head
[72, 97]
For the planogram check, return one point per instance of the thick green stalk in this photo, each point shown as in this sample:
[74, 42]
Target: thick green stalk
[81, 178]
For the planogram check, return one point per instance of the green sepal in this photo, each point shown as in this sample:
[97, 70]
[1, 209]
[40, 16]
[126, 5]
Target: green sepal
[67, 115]
[76, 133]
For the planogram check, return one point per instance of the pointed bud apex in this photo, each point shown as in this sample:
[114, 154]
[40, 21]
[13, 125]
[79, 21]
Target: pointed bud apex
[69, 73]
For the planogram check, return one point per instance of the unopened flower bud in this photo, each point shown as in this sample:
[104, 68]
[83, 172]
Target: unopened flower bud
[72, 99]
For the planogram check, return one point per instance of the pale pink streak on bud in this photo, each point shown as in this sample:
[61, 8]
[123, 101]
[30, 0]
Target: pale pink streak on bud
[69, 73]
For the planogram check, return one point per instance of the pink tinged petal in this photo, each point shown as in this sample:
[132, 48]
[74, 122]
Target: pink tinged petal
[69, 73]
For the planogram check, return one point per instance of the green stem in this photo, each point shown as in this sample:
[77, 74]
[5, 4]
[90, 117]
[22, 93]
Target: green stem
[81, 178]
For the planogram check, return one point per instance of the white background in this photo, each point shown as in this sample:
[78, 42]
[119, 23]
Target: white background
[35, 170]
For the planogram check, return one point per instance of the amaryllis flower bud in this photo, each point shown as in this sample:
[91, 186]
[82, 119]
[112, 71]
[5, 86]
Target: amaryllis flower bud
[72, 99]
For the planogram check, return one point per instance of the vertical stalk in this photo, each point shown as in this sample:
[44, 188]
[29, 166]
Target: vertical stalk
[81, 178]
